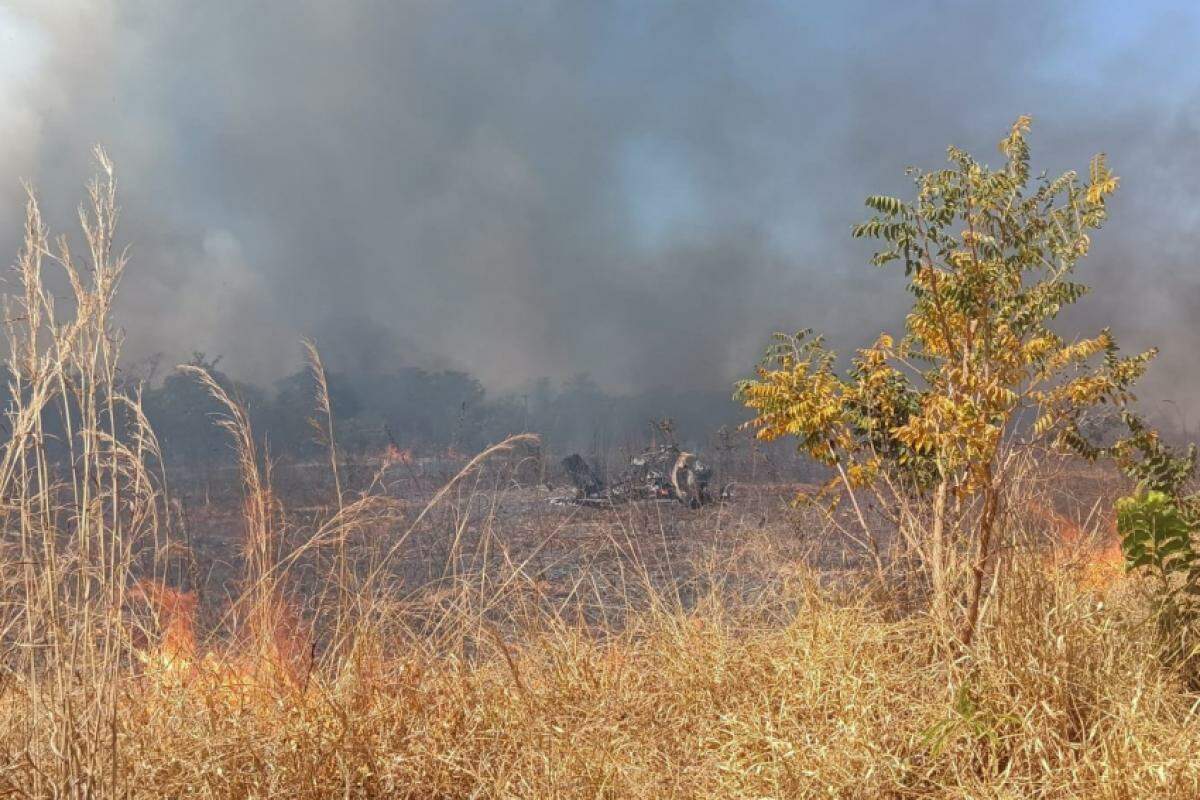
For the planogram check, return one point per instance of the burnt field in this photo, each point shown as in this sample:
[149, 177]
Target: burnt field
[507, 518]
[975, 578]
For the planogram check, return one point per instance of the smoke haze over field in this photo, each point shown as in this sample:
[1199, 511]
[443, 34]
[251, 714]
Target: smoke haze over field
[641, 191]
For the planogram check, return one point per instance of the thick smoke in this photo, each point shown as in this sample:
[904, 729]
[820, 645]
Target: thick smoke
[526, 189]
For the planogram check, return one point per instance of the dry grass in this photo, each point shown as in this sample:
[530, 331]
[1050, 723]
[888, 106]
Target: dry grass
[798, 695]
[330, 676]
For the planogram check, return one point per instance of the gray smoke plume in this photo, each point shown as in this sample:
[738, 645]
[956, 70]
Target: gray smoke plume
[641, 191]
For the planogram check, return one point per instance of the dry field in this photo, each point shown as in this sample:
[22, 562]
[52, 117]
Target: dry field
[460, 638]
[520, 650]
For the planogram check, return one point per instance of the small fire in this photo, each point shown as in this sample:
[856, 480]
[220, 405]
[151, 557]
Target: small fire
[274, 658]
[175, 655]
[1104, 569]
[1094, 569]
[396, 455]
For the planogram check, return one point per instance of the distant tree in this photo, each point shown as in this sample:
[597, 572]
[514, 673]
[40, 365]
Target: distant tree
[427, 409]
[989, 257]
[288, 422]
[181, 410]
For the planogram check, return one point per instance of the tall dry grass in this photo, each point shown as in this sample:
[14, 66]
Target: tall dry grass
[328, 675]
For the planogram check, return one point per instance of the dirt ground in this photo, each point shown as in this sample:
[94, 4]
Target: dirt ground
[500, 521]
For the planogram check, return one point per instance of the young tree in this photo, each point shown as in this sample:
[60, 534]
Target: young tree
[989, 257]
[1158, 524]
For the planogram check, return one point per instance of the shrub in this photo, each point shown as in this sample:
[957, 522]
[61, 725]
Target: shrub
[989, 257]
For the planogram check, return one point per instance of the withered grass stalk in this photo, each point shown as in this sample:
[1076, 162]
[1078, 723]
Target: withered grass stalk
[758, 676]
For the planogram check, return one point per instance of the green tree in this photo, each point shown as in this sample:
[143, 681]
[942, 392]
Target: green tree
[1158, 525]
[989, 257]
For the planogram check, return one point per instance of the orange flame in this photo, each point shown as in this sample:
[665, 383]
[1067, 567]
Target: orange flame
[1094, 568]
[1104, 569]
[176, 610]
[395, 455]
[276, 657]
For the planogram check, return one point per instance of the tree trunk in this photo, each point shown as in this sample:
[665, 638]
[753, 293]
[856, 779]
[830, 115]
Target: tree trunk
[987, 525]
[937, 556]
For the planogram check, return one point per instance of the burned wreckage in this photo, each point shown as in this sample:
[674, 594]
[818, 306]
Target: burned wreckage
[661, 473]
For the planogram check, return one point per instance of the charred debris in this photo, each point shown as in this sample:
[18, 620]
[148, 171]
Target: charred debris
[662, 473]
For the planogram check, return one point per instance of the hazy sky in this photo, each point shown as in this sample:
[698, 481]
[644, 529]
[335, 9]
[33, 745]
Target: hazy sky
[641, 190]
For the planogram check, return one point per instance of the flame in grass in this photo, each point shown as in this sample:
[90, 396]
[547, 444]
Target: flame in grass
[1095, 565]
[271, 662]
[175, 654]
[1107, 567]
[396, 455]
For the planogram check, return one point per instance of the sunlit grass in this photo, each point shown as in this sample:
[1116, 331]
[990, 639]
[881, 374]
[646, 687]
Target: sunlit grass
[774, 683]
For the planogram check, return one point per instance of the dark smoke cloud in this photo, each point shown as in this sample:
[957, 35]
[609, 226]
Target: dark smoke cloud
[641, 191]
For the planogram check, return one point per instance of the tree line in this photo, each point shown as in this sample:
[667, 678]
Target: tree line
[424, 411]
